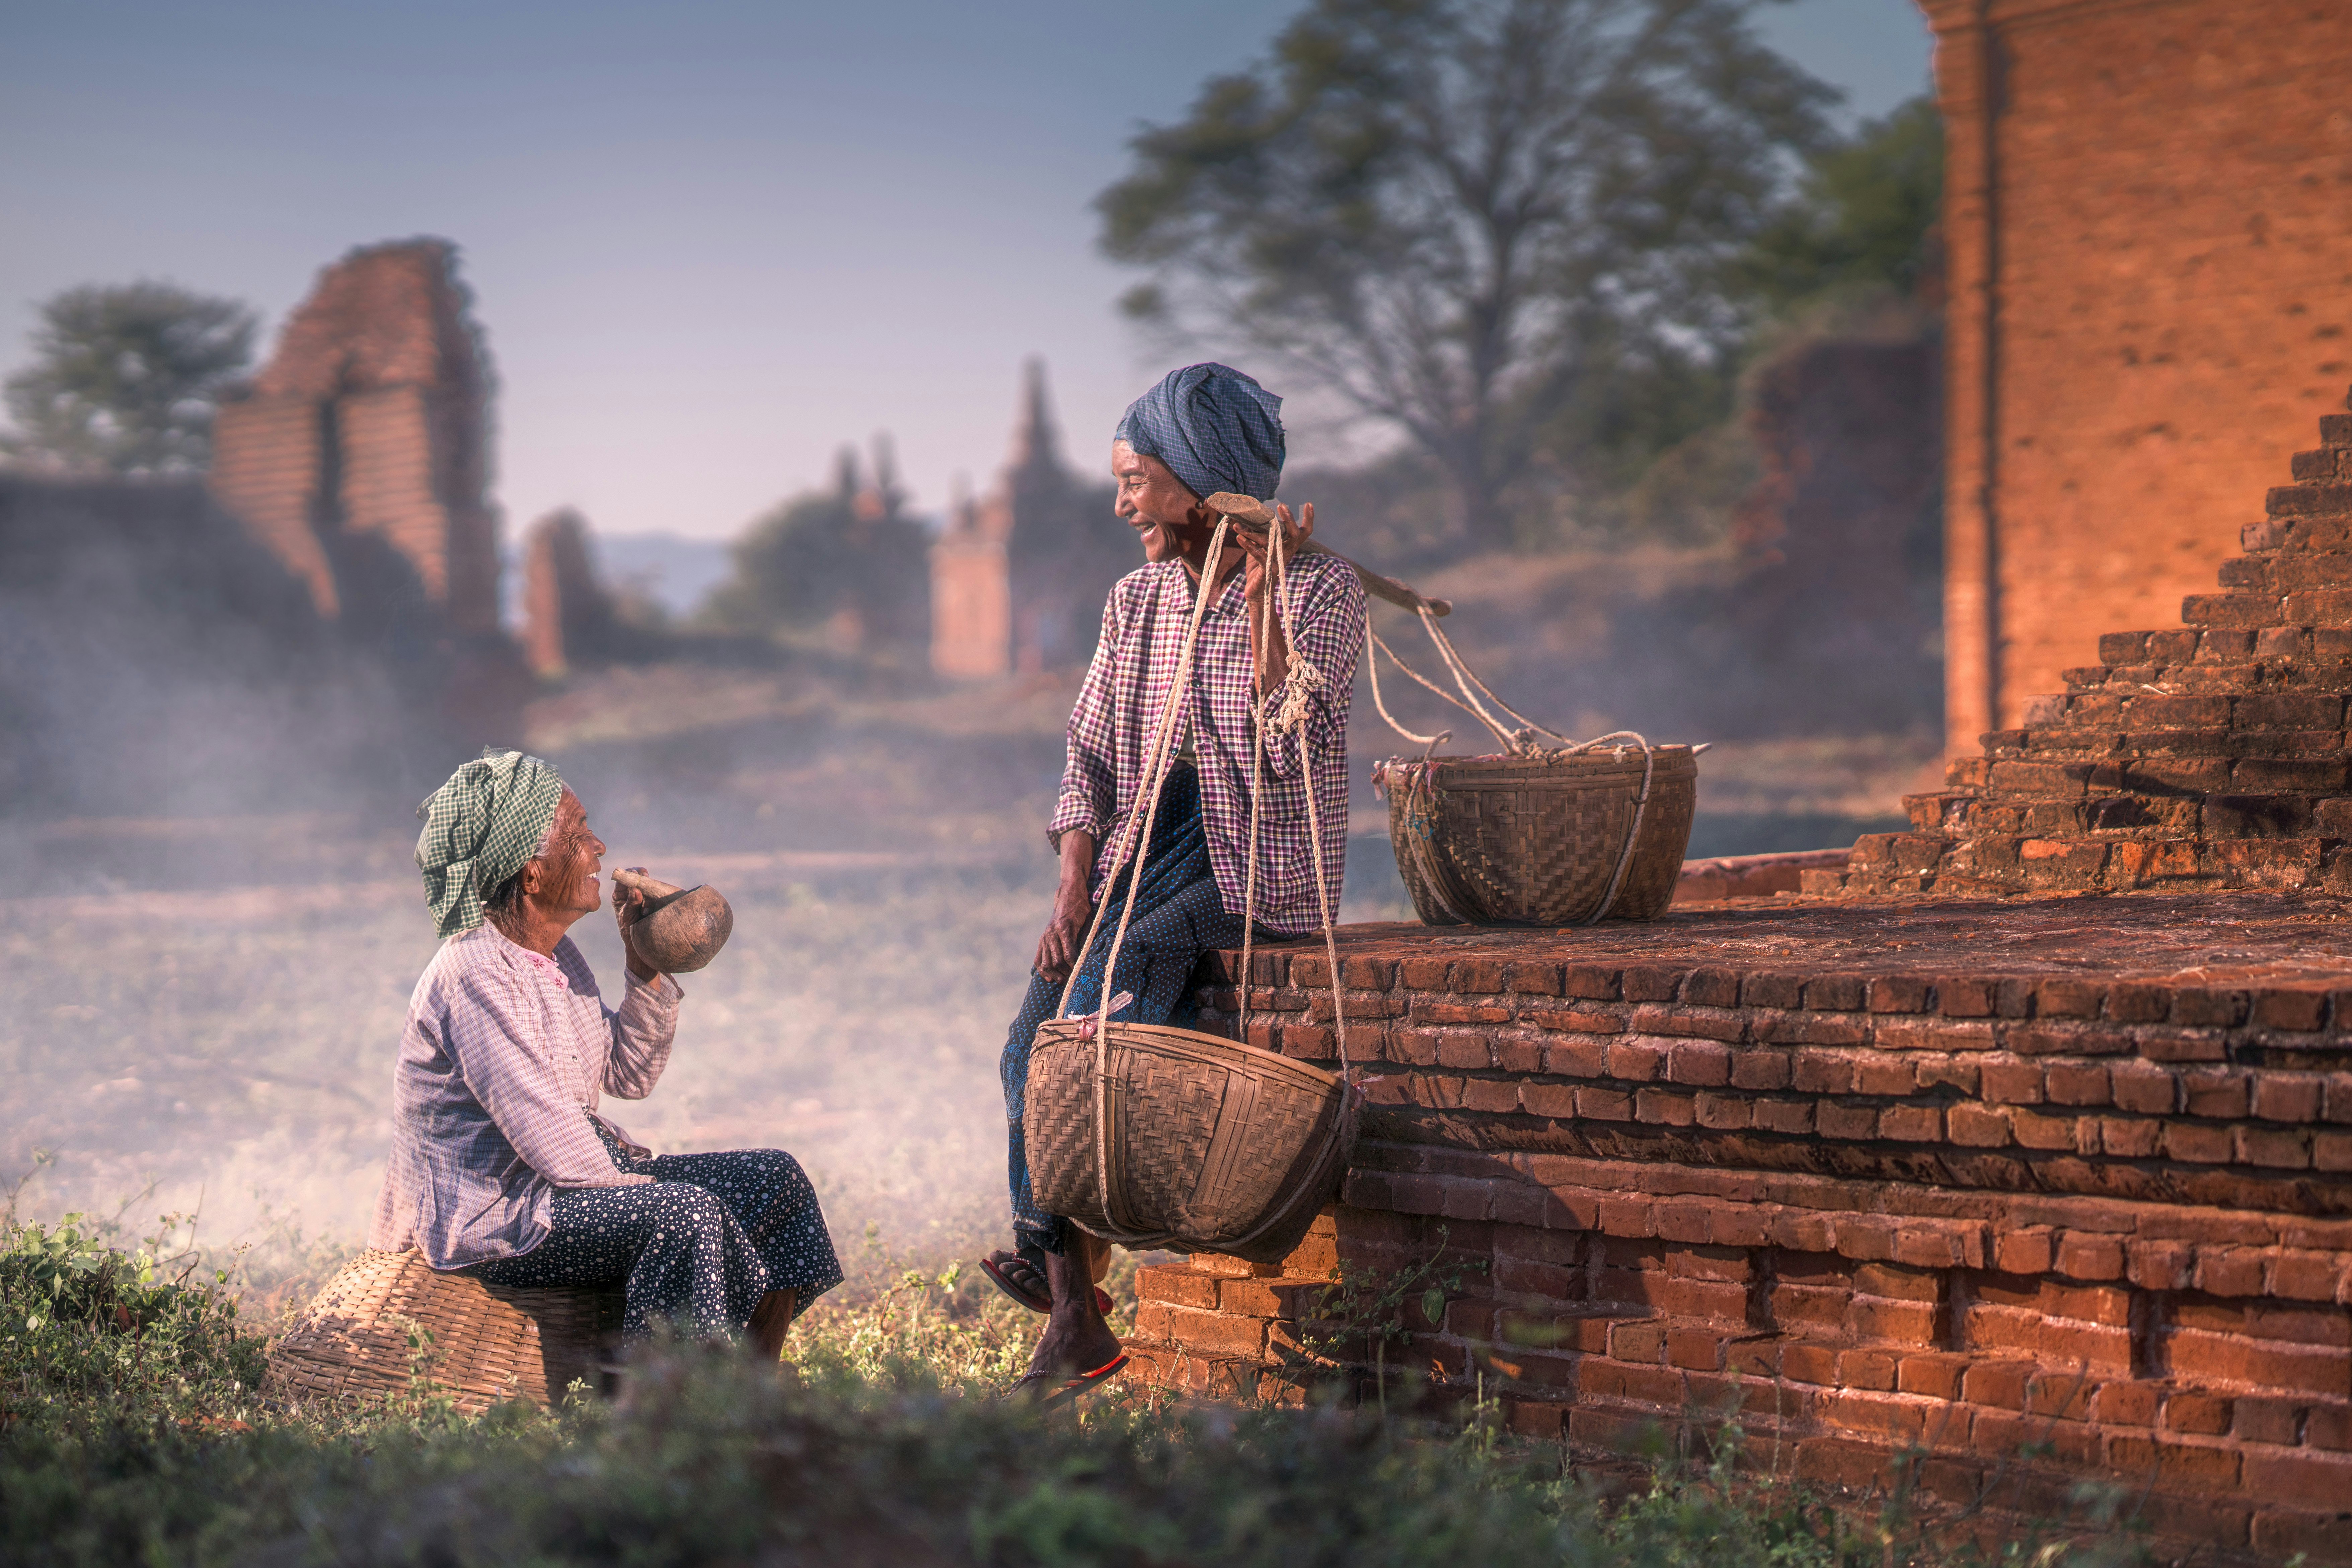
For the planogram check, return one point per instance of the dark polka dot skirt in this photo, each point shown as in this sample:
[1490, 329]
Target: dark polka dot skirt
[698, 1246]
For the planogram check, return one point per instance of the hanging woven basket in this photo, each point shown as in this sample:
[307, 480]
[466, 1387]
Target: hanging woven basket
[490, 1343]
[1153, 1136]
[1211, 1146]
[1537, 841]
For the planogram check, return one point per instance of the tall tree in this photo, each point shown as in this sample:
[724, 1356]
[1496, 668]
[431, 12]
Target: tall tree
[1454, 215]
[124, 378]
[1864, 214]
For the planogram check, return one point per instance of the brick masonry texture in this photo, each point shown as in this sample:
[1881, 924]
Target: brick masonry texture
[1964, 1162]
[1962, 1176]
[2146, 218]
[359, 454]
[2207, 754]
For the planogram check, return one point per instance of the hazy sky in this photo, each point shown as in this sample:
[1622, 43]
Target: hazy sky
[710, 240]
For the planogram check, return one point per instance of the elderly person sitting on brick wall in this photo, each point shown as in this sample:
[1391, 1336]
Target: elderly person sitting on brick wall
[1203, 429]
[502, 1166]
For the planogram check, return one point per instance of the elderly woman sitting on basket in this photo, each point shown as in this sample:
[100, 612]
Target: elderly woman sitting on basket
[502, 1166]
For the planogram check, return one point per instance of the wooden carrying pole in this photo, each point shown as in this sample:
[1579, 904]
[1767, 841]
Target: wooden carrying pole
[1248, 512]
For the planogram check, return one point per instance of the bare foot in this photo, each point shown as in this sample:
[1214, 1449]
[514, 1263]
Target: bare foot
[1076, 1339]
[770, 1320]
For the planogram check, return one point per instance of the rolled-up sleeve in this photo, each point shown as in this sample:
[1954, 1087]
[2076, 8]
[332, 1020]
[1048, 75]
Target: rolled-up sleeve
[643, 1027]
[503, 1053]
[1327, 615]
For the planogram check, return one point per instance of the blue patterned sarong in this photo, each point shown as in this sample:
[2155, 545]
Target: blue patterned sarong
[1178, 917]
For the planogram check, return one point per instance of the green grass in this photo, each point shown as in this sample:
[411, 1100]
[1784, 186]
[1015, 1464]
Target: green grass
[134, 1428]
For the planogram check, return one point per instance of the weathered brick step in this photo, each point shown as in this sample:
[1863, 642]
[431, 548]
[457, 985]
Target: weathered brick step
[1938, 810]
[2253, 678]
[1958, 812]
[2300, 607]
[2030, 778]
[2093, 743]
[2288, 572]
[2123, 708]
[2316, 500]
[2191, 645]
[2007, 864]
[2295, 535]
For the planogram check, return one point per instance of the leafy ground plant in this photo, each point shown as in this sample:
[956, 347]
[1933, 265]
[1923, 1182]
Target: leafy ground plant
[883, 1443]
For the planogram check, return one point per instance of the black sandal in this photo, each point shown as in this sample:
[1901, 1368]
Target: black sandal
[1022, 1277]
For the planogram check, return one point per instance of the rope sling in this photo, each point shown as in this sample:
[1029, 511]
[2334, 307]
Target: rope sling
[1250, 1133]
[1416, 781]
[1284, 711]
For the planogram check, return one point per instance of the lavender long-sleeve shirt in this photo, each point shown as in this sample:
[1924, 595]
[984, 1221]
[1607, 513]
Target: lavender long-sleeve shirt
[501, 1065]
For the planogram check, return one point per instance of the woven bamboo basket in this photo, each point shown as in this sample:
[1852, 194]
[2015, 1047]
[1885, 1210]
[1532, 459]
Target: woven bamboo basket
[490, 1343]
[1511, 841]
[1214, 1145]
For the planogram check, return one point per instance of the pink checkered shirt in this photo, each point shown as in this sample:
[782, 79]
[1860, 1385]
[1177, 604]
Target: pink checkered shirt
[501, 1069]
[1111, 729]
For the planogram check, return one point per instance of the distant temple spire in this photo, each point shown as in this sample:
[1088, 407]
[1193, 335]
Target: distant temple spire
[1036, 443]
[1018, 576]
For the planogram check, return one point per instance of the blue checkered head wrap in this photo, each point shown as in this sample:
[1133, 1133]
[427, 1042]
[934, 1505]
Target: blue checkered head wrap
[1214, 427]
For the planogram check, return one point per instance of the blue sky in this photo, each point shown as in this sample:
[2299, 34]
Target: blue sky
[710, 240]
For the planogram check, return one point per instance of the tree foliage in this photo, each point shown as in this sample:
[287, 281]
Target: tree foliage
[1865, 216]
[124, 378]
[847, 561]
[1463, 217]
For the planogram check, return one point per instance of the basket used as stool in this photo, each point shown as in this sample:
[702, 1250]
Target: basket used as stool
[1214, 1146]
[1516, 841]
[490, 1343]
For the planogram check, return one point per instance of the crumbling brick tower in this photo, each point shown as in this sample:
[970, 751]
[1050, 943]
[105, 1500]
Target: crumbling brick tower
[2145, 224]
[359, 456]
[2211, 754]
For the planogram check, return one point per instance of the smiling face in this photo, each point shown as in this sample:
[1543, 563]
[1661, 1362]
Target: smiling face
[1167, 518]
[564, 882]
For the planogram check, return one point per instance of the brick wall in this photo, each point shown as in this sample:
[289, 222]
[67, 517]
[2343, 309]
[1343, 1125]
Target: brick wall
[2145, 216]
[2207, 753]
[269, 470]
[971, 596]
[368, 426]
[1019, 576]
[1962, 1177]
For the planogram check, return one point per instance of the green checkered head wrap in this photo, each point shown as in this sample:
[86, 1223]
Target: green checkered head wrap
[480, 828]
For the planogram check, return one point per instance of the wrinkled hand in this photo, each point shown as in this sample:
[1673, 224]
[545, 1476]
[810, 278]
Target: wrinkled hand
[1254, 547]
[1066, 933]
[628, 908]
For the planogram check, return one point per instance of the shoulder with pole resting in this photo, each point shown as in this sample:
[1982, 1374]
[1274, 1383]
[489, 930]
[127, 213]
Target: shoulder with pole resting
[1328, 577]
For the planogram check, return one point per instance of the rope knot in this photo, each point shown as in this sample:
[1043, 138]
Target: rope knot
[1286, 705]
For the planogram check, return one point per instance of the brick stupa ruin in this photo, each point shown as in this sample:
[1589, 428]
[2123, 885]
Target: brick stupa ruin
[360, 458]
[2145, 226]
[1018, 576]
[2209, 755]
[2021, 1191]
[361, 443]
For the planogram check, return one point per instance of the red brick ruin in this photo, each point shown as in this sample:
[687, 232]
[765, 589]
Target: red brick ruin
[359, 457]
[567, 615]
[1953, 1164]
[1018, 576]
[365, 434]
[1904, 1173]
[2145, 226]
